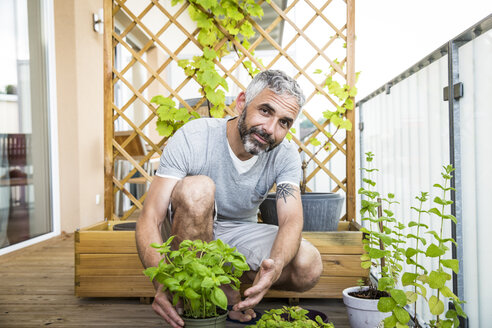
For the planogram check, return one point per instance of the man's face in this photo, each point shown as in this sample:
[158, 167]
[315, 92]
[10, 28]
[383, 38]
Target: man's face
[266, 120]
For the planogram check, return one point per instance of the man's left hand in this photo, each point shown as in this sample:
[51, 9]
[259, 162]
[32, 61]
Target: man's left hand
[268, 274]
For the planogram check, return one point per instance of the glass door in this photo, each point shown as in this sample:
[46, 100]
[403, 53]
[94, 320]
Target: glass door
[25, 202]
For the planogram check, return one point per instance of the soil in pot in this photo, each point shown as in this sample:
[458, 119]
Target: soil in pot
[370, 294]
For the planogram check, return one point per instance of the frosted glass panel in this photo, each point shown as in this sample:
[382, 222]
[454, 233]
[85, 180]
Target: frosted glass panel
[408, 131]
[476, 134]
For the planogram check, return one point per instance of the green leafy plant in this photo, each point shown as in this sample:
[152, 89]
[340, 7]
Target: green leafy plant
[383, 247]
[195, 272]
[289, 317]
[385, 250]
[222, 26]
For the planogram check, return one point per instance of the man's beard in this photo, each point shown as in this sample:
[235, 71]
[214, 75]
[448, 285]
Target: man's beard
[251, 144]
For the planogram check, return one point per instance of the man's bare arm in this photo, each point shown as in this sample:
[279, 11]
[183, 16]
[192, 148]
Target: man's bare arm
[149, 231]
[151, 219]
[290, 221]
[285, 246]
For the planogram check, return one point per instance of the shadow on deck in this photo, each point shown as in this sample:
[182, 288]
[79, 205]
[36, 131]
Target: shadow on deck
[37, 289]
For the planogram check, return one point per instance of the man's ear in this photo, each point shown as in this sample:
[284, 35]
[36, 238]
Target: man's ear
[240, 102]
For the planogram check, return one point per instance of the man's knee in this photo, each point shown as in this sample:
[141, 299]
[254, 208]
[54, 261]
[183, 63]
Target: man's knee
[307, 267]
[195, 193]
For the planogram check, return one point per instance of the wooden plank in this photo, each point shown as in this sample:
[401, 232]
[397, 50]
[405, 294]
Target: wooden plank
[104, 261]
[327, 287]
[114, 286]
[342, 265]
[346, 242]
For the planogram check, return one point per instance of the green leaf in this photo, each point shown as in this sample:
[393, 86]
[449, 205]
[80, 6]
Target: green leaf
[386, 304]
[459, 309]
[317, 71]
[440, 201]
[390, 322]
[346, 125]
[450, 217]
[385, 282]
[408, 278]
[207, 4]
[411, 297]
[151, 272]
[209, 53]
[438, 279]
[399, 296]
[375, 253]
[219, 298]
[452, 264]
[191, 294]
[165, 113]
[164, 101]
[314, 142]
[446, 292]
[207, 283]
[206, 37]
[164, 129]
[410, 252]
[434, 251]
[401, 315]
[182, 115]
[255, 10]
[435, 211]
[436, 306]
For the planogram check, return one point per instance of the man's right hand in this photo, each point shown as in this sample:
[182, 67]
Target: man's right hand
[162, 306]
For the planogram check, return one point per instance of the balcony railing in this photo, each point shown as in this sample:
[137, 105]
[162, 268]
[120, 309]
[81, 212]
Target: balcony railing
[439, 112]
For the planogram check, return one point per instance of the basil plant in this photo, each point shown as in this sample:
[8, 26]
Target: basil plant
[194, 273]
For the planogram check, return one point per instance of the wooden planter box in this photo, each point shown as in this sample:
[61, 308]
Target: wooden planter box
[107, 263]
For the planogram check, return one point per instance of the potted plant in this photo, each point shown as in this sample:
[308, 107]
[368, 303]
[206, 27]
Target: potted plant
[321, 210]
[384, 244]
[194, 273]
[289, 317]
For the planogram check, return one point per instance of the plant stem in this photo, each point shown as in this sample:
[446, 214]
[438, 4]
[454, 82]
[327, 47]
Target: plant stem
[440, 235]
[416, 258]
[324, 145]
[242, 62]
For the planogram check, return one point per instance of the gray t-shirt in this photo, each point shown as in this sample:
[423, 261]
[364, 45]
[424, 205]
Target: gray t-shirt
[200, 147]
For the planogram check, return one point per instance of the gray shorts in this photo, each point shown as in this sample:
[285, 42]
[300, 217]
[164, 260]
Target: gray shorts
[253, 240]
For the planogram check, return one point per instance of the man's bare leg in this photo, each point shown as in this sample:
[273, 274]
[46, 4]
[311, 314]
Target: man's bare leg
[300, 275]
[193, 207]
[193, 202]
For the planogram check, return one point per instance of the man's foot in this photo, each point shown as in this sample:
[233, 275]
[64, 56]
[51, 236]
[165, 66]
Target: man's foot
[242, 316]
[234, 297]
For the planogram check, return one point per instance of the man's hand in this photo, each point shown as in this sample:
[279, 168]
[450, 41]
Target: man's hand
[267, 275]
[162, 306]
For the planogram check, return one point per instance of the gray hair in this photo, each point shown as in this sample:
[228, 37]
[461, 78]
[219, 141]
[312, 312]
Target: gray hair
[278, 82]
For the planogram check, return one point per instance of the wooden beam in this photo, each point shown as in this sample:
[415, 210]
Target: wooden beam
[350, 161]
[108, 112]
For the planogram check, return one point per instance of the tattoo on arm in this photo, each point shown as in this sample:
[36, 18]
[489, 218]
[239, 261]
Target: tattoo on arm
[285, 190]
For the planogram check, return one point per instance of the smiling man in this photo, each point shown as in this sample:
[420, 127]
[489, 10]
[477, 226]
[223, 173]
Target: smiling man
[214, 174]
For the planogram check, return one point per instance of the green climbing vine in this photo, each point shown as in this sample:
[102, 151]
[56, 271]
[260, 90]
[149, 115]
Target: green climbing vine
[215, 20]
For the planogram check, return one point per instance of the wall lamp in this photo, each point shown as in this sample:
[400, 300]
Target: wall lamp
[98, 22]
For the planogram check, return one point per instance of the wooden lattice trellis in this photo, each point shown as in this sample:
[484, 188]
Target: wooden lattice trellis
[344, 68]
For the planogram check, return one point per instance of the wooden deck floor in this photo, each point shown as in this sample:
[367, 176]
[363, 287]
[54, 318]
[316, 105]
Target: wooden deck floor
[36, 290]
